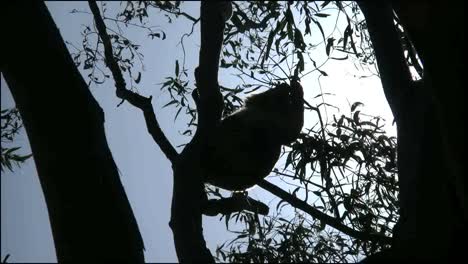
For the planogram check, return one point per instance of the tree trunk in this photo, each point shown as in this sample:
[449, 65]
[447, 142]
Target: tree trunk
[188, 194]
[89, 212]
[431, 205]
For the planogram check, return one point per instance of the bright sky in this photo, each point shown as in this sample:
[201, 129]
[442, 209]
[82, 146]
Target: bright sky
[145, 173]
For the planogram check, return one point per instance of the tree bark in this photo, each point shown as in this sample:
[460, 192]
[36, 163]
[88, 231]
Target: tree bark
[89, 212]
[432, 215]
[188, 192]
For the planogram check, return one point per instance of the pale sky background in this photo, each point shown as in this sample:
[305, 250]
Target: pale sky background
[145, 172]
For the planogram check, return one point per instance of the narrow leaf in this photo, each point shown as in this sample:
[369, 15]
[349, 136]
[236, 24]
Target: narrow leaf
[170, 103]
[355, 105]
[321, 15]
[138, 79]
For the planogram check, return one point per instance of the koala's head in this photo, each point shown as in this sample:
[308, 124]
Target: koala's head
[272, 99]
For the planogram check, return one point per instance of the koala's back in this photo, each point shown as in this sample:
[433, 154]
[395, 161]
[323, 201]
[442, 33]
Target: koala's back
[241, 155]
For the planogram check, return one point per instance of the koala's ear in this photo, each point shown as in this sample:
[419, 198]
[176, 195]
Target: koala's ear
[295, 82]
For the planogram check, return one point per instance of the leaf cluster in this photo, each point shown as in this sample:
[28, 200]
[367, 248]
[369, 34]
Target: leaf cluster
[10, 127]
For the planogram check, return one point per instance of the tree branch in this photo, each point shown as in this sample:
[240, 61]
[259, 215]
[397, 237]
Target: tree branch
[89, 212]
[331, 221]
[189, 195]
[206, 75]
[394, 72]
[177, 13]
[233, 204]
[144, 103]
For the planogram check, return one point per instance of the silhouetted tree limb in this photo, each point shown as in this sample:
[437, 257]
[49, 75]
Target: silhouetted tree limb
[428, 113]
[169, 8]
[144, 103]
[90, 215]
[331, 221]
[234, 204]
[189, 196]
[447, 75]
[396, 78]
[206, 75]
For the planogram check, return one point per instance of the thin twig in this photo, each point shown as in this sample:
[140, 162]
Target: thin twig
[133, 98]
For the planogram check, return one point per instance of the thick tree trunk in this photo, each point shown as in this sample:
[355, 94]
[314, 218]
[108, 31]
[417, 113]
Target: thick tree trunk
[90, 215]
[431, 215]
[189, 195]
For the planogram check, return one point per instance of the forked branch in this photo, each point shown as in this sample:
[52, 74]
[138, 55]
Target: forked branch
[139, 101]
